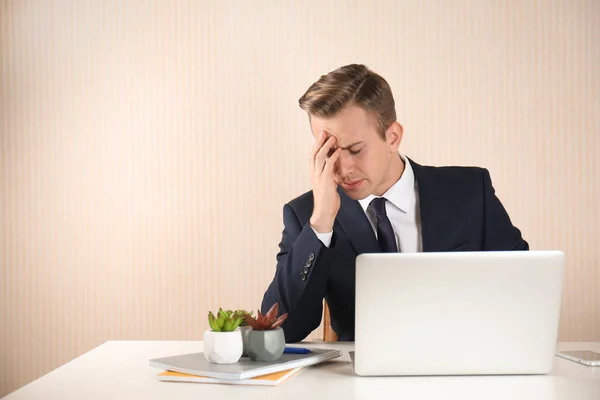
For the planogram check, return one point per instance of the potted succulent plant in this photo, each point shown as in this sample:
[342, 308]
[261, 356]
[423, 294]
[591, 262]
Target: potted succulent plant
[244, 328]
[266, 340]
[223, 342]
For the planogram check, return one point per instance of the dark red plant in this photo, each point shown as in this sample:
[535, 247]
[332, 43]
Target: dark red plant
[268, 321]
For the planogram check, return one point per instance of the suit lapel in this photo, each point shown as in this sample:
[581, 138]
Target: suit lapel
[431, 204]
[433, 215]
[355, 223]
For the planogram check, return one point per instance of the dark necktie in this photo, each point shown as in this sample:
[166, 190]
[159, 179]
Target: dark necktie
[385, 232]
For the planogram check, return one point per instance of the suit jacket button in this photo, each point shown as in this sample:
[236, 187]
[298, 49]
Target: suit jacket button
[311, 256]
[303, 277]
[308, 264]
[306, 270]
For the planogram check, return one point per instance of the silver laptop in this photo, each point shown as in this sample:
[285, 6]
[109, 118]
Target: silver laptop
[457, 313]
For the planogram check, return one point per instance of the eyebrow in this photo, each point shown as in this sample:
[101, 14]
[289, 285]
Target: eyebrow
[351, 145]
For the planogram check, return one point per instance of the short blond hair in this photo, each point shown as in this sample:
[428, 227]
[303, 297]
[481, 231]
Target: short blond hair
[353, 84]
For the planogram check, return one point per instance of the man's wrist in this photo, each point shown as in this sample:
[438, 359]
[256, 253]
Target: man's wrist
[321, 227]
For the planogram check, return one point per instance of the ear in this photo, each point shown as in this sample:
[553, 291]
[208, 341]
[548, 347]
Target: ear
[393, 136]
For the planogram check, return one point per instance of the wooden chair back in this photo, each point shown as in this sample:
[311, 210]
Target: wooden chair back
[329, 334]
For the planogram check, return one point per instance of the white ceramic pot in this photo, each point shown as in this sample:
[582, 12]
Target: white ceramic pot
[223, 347]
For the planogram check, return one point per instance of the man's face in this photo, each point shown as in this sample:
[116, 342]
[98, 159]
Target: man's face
[363, 167]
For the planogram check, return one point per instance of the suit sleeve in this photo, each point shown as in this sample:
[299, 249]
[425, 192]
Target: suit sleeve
[300, 281]
[499, 232]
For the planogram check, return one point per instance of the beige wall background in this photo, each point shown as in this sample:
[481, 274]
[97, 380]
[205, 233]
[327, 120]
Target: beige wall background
[147, 148]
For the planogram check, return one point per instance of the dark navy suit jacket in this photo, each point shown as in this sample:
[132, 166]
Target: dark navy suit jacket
[459, 212]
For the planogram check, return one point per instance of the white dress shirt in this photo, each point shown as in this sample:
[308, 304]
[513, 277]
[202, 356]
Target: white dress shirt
[402, 208]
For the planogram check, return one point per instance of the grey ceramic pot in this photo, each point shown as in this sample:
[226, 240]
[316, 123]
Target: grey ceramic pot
[265, 345]
[245, 331]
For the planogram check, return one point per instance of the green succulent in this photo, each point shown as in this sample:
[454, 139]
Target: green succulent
[241, 313]
[225, 321]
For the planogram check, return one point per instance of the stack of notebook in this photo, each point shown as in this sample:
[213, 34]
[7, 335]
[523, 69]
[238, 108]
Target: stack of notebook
[195, 368]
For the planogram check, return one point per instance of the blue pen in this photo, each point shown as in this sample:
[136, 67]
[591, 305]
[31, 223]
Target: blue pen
[296, 350]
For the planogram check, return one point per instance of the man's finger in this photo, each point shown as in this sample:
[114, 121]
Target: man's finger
[322, 155]
[330, 163]
[319, 141]
[317, 146]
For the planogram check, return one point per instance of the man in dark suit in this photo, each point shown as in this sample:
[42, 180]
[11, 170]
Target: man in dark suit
[367, 197]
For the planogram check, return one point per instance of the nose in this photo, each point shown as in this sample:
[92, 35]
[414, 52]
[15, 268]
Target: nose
[345, 164]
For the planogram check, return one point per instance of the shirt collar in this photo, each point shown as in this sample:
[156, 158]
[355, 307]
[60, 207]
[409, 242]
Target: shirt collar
[402, 193]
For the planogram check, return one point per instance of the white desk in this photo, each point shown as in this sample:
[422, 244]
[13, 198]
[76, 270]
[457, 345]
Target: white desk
[120, 370]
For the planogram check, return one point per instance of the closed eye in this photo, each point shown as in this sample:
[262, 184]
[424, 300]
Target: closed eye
[354, 152]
